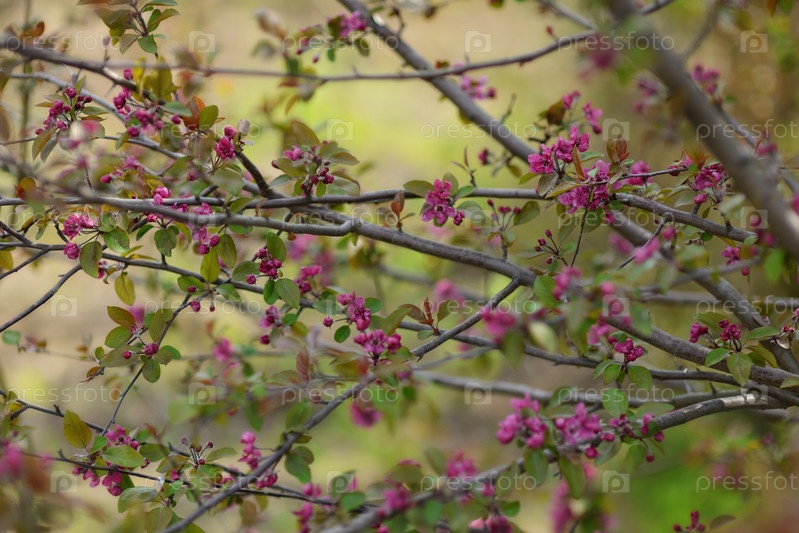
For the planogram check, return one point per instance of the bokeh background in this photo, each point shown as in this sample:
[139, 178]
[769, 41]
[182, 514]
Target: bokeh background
[401, 131]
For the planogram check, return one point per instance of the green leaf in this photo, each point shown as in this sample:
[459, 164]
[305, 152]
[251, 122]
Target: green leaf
[90, 256]
[342, 334]
[123, 317]
[117, 336]
[763, 333]
[125, 456]
[513, 347]
[789, 382]
[392, 321]
[298, 415]
[158, 324]
[221, 453]
[351, 500]
[288, 291]
[574, 475]
[209, 268]
[270, 295]
[418, 187]
[641, 376]
[611, 373]
[615, 402]
[543, 335]
[774, 264]
[543, 286]
[11, 337]
[245, 269]
[228, 292]
[297, 467]
[740, 366]
[117, 240]
[536, 464]
[151, 371]
[154, 452]
[165, 241]
[135, 495]
[125, 289]
[208, 116]
[305, 135]
[76, 431]
[158, 519]
[276, 247]
[716, 355]
[227, 250]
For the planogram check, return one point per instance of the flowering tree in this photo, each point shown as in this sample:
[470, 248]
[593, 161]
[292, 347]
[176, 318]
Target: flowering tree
[581, 255]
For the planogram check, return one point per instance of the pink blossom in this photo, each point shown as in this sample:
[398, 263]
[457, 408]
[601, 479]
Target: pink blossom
[439, 205]
[642, 253]
[364, 416]
[225, 148]
[223, 350]
[75, 223]
[71, 250]
[592, 116]
[377, 342]
[497, 322]
[459, 466]
[356, 310]
[568, 100]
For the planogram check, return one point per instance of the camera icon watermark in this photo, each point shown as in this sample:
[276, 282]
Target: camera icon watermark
[476, 394]
[615, 306]
[476, 42]
[199, 41]
[753, 219]
[63, 306]
[339, 481]
[339, 130]
[755, 395]
[613, 481]
[200, 394]
[612, 129]
[753, 42]
[61, 481]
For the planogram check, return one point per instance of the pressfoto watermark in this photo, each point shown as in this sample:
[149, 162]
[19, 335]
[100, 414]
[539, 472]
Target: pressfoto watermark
[774, 130]
[340, 130]
[328, 394]
[769, 481]
[500, 483]
[476, 42]
[735, 307]
[221, 306]
[631, 40]
[753, 42]
[476, 394]
[63, 481]
[61, 305]
[613, 481]
[60, 396]
[613, 128]
[633, 394]
[323, 42]
[472, 131]
[199, 41]
[81, 40]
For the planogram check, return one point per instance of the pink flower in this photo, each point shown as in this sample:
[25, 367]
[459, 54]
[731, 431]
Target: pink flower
[439, 205]
[351, 23]
[356, 310]
[497, 322]
[71, 250]
[364, 416]
[563, 281]
[642, 253]
[75, 223]
[568, 100]
[377, 342]
[397, 499]
[223, 350]
[459, 466]
[225, 148]
[592, 116]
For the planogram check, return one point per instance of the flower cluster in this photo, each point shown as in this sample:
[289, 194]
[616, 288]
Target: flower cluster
[591, 196]
[271, 319]
[269, 266]
[316, 167]
[697, 330]
[356, 310]
[636, 429]
[562, 151]
[497, 322]
[305, 513]
[376, 342]
[252, 455]
[729, 332]
[695, 525]
[305, 277]
[526, 424]
[76, 223]
[351, 23]
[439, 205]
[60, 115]
[628, 349]
[225, 147]
[476, 88]
[564, 280]
[112, 480]
[710, 180]
[708, 80]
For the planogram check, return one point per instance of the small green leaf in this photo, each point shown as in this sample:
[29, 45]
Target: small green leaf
[536, 464]
[227, 250]
[11, 337]
[288, 291]
[117, 240]
[209, 268]
[135, 495]
[125, 456]
[298, 415]
[543, 287]
[342, 334]
[90, 256]
[641, 376]
[165, 241]
[615, 402]
[76, 431]
[418, 187]
[158, 324]
[740, 366]
[123, 317]
[276, 247]
[763, 333]
[513, 347]
[574, 475]
[125, 289]
[151, 371]
[716, 355]
[297, 467]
